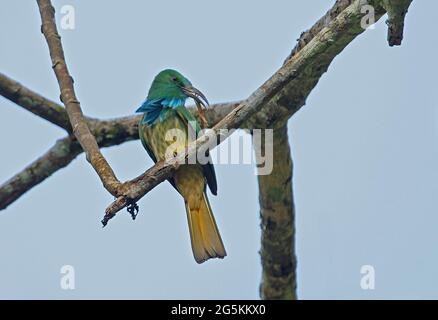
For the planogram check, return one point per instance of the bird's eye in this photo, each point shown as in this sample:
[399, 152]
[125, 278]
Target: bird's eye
[174, 79]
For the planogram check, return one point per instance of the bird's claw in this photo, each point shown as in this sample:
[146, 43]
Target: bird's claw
[133, 209]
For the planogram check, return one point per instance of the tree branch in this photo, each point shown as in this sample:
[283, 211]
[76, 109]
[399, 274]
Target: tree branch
[397, 10]
[60, 155]
[277, 99]
[318, 46]
[33, 102]
[72, 105]
[277, 215]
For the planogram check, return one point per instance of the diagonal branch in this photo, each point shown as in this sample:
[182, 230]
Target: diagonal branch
[277, 99]
[332, 33]
[72, 105]
[33, 102]
[138, 187]
[60, 155]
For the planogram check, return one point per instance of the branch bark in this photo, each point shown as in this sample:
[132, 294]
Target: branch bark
[318, 46]
[60, 155]
[397, 10]
[277, 215]
[72, 105]
[33, 102]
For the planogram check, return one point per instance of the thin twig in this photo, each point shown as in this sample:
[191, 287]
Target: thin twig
[72, 105]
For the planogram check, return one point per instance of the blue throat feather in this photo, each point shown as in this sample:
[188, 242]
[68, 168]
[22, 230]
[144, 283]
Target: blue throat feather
[154, 108]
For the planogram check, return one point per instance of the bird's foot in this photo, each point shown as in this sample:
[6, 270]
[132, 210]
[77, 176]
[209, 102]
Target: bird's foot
[133, 209]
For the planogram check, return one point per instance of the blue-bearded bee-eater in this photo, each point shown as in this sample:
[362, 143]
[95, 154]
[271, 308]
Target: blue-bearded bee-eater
[164, 110]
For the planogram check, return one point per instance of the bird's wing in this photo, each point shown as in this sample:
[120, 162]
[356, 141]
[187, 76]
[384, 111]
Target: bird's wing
[152, 155]
[147, 148]
[152, 109]
[208, 169]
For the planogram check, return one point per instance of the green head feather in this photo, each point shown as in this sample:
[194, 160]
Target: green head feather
[168, 84]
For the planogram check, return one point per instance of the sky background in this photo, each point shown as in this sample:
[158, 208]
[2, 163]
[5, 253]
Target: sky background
[365, 150]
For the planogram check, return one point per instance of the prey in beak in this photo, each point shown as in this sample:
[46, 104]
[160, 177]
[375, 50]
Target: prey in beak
[200, 101]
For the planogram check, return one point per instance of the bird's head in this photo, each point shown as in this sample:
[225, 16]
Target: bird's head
[171, 85]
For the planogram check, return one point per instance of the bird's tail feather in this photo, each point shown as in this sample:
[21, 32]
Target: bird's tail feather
[204, 234]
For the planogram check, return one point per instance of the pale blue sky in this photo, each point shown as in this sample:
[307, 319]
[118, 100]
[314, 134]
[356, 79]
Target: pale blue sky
[365, 151]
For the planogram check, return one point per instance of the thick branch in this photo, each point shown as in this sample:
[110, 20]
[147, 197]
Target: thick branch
[68, 97]
[397, 10]
[277, 223]
[33, 102]
[59, 156]
[307, 36]
[318, 46]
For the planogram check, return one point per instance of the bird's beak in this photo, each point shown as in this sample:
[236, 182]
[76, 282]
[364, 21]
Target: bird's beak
[196, 95]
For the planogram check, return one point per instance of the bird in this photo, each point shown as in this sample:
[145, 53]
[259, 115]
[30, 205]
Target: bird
[164, 110]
